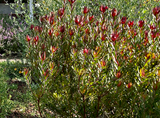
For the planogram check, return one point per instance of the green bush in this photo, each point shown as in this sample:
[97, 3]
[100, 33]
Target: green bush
[87, 67]
[5, 104]
[15, 69]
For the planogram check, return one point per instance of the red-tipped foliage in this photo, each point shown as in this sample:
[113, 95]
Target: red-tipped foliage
[62, 29]
[71, 1]
[97, 23]
[85, 51]
[53, 49]
[36, 39]
[61, 12]
[123, 20]
[28, 38]
[32, 26]
[51, 18]
[79, 20]
[103, 37]
[129, 85]
[85, 10]
[114, 12]
[46, 73]
[38, 29]
[43, 56]
[103, 8]
[114, 36]
[141, 23]
[152, 27]
[146, 34]
[118, 74]
[25, 71]
[91, 18]
[87, 31]
[130, 23]
[71, 32]
[153, 34]
[50, 32]
[156, 10]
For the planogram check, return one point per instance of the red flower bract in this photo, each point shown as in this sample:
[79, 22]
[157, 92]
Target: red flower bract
[153, 34]
[57, 33]
[123, 20]
[71, 32]
[130, 23]
[25, 71]
[97, 23]
[78, 20]
[38, 28]
[103, 37]
[134, 33]
[114, 12]
[103, 8]
[28, 38]
[103, 63]
[61, 12]
[53, 49]
[36, 39]
[119, 84]
[71, 1]
[46, 73]
[43, 46]
[43, 56]
[85, 10]
[46, 17]
[32, 26]
[156, 10]
[129, 85]
[91, 18]
[62, 29]
[50, 32]
[141, 23]
[42, 19]
[114, 36]
[118, 74]
[146, 34]
[87, 31]
[51, 20]
[152, 27]
[104, 27]
[85, 51]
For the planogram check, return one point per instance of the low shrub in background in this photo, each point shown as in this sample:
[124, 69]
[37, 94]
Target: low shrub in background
[87, 67]
[15, 97]
[15, 69]
[5, 103]
[10, 44]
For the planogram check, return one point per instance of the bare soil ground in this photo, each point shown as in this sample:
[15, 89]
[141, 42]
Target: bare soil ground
[30, 110]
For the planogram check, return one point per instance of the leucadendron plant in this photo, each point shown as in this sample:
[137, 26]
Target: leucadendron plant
[81, 66]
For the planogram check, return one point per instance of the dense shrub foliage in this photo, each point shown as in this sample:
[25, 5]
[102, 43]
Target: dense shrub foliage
[12, 42]
[5, 104]
[84, 66]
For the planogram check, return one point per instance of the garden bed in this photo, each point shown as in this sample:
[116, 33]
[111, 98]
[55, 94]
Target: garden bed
[20, 102]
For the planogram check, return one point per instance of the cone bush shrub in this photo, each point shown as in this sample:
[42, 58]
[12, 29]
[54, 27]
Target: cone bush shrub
[84, 66]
